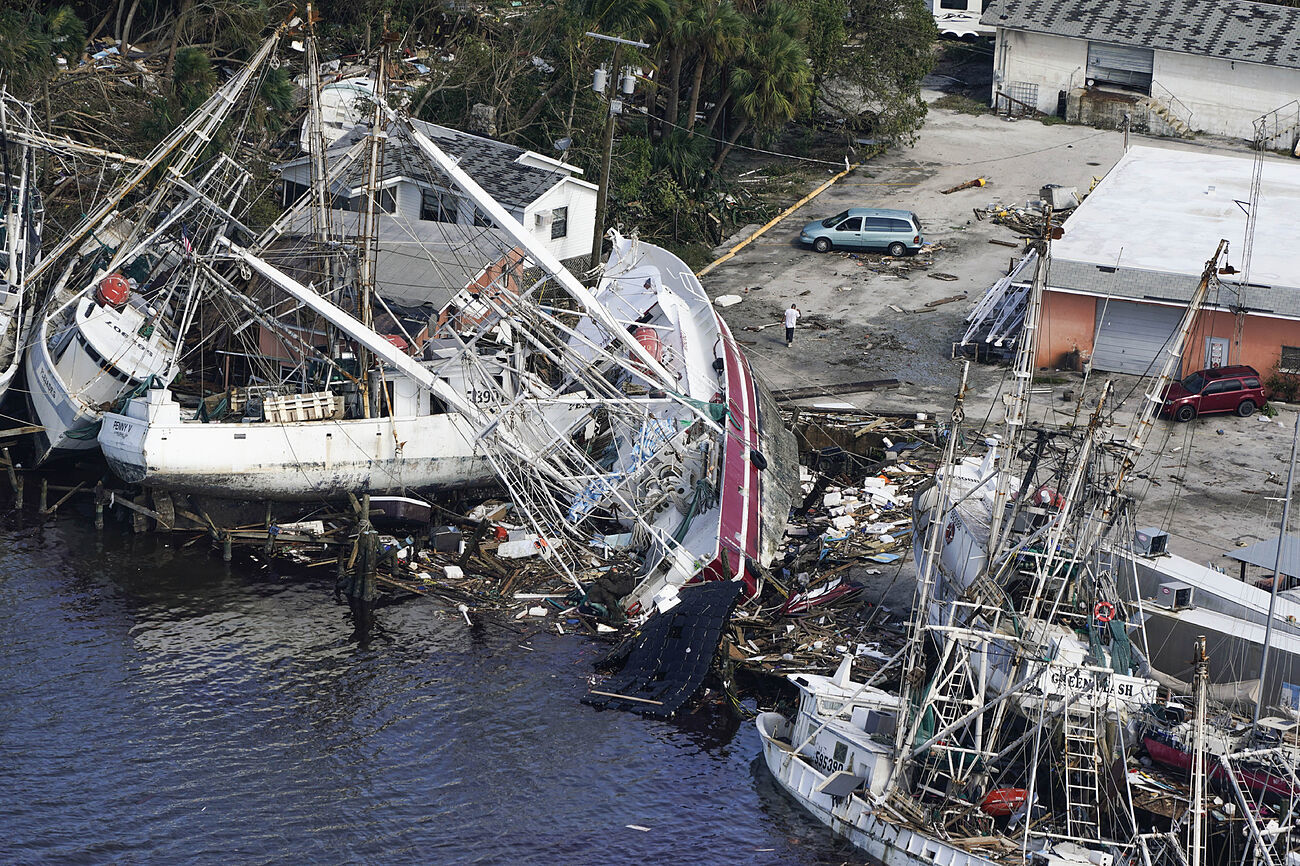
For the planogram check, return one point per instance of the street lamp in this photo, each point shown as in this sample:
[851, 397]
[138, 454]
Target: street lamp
[599, 82]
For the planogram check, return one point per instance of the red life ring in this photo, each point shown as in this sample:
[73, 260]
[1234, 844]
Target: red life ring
[1104, 611]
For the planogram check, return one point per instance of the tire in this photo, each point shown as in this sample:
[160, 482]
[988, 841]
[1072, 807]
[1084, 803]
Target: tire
[897, 250]
[1246, 408]
[1185, 413]
[822, 245]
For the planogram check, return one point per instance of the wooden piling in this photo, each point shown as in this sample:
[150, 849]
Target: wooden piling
[225, 547]
[45, 495]
[269, 545]
[13, 476]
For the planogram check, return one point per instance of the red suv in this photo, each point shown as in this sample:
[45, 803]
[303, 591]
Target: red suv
[1220, 389]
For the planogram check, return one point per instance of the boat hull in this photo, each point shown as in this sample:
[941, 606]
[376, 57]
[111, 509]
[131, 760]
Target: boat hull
[68, 425]
[296, 461]
[851, 816]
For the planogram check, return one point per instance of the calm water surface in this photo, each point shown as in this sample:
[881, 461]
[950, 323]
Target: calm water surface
[159, 706]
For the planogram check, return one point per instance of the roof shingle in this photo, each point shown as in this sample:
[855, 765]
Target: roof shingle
[1225, 29]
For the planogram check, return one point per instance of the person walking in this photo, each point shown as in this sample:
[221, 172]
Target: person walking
[791, 316]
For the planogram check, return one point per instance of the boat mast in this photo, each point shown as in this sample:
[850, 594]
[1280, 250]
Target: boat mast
[1022, 383]
[369, 228]
[316, 143]
[1277, 567]
[912, 688]
[1201, 685]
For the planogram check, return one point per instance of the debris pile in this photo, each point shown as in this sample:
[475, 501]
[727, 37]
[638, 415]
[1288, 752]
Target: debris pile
[1026, 220]
[879, 263]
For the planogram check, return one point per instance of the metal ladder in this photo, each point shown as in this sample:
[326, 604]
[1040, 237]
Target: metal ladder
[952, 696]
[1082, 761]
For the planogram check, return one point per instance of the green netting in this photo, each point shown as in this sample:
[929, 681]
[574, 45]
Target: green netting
[1121, 650]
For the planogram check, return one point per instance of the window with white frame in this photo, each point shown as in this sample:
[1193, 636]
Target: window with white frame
[559, 223]
[437, 206]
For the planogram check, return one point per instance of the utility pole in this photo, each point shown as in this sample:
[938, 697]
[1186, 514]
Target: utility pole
[626, 84]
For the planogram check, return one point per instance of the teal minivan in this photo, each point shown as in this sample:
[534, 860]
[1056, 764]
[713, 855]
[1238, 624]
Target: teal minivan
[896, 231]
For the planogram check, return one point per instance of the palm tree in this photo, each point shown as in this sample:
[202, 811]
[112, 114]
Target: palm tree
[773, 82]
[718, 32]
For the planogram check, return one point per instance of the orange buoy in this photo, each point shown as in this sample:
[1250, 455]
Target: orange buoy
[113, 291]
[649, 339]
[1001, 802]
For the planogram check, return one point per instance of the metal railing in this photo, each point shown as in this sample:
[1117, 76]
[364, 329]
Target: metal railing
[1279, 129]
[1175, 106]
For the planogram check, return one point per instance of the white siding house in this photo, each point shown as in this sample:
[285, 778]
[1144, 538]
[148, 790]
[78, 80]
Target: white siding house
[545, 195]
[1174, 66]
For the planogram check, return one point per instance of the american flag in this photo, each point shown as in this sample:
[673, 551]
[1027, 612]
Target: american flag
[185, 240]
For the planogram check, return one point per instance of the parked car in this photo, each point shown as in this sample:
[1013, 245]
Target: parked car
[1219, 389]
[896, 231]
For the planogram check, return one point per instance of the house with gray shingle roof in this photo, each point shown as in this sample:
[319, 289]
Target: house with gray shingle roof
[547, 196]
[1172, 65]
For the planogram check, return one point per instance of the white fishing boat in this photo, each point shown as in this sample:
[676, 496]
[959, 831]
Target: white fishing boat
[1024, 682]
[836, 759]
[626, 414]
[123, 283]
[20, 233]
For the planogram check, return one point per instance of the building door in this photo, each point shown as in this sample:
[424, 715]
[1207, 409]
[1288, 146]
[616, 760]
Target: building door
[1216, 352]
[1120, 65]
[1131, 337]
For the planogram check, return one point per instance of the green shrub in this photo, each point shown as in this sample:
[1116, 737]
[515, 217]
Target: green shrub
[1283, 386]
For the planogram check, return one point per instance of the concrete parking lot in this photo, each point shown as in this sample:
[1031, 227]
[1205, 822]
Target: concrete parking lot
[1217, 482]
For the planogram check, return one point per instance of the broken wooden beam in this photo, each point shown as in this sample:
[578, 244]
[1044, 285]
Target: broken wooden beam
[970, 184]
[787, 394]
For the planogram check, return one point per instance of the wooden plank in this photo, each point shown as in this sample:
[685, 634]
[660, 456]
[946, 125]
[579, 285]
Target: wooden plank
[833, 389]
[20, 431]
[625, 697]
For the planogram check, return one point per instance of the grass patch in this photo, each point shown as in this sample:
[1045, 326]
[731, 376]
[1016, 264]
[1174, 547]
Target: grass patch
[962, 104]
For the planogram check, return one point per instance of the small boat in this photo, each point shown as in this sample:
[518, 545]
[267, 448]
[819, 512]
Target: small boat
[400, 510]
[1002, 802]
[835, 759]
[123, 283]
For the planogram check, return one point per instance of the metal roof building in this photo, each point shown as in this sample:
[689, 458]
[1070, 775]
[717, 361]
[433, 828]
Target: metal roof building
[1133, 252]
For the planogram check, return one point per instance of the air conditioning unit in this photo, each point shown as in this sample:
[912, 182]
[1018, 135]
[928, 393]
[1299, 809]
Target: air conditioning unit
[1150, 542]
[1175, 596]
[543, 219]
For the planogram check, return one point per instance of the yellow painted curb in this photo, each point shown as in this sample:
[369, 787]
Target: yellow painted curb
[785, 213]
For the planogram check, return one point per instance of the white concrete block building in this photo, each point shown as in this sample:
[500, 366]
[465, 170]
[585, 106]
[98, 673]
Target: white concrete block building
[1217, 66]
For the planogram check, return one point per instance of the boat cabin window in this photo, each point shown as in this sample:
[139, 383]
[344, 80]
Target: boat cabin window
[828, 707]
